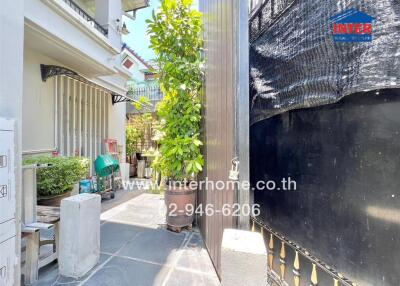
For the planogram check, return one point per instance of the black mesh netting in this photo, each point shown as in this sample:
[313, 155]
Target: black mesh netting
[294, 62]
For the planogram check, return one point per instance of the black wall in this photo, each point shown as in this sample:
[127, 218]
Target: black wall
[345, 159]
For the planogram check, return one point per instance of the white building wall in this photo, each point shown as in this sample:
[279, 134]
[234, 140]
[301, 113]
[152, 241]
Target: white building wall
[137, 69]
[116, 126]
[116, 83]
[109, 15]
[61, 24]
[137, 74]
[39, 117]
[38, 104]
[48, 29]
[85, 112]
[11, 73]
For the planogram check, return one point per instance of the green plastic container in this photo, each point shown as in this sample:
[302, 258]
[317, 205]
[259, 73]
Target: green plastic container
[105, 165]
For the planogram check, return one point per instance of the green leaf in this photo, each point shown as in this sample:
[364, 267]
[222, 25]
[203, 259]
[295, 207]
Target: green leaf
[64, 173]
[199, 166]
[175, 36]
[197, 142]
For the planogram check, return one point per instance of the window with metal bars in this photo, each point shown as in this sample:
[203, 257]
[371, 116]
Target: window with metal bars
[81, 117]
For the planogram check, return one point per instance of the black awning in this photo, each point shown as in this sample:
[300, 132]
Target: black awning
[49, 71]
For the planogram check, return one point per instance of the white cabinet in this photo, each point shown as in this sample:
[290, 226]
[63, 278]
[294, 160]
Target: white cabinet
[7, 230]
[7, 203]
[7, 181]
[7, 262]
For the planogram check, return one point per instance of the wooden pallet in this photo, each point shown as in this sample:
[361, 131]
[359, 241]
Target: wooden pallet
[178, 229]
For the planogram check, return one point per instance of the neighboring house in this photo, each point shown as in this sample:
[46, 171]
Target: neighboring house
[137, 66]
[75, 83]
[60, 75]
[143, 81]
[151, 75]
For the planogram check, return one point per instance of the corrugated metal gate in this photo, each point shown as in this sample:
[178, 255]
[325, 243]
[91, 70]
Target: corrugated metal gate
[226, 113]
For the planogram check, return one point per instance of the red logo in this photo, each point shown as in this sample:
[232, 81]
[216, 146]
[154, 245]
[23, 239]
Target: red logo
[352, 26]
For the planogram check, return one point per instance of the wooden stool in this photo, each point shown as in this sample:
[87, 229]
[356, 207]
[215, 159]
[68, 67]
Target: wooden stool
[47, 217]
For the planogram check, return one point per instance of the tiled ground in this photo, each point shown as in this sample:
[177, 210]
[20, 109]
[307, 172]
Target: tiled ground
[137, 250]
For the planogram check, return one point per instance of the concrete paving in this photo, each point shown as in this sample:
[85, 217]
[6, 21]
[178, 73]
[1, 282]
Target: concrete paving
[136, 249]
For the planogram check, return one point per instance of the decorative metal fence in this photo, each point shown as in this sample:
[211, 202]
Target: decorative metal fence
[279, 251]
[152, 93]
[146, 127]
[87, 17]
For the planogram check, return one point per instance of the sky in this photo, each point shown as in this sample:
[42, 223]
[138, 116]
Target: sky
[138, 38]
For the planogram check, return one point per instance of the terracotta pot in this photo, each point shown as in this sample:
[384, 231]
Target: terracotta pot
[148, 173]
[140, 168]
[132, 170]
[133, 165]
[179, 197]
[53, 201]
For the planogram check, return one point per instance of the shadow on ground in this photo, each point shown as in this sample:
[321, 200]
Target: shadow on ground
[136, 249]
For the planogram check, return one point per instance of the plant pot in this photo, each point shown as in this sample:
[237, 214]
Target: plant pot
[75, 190]
[53, 201]
[180, 197]
[140, 169]
[148, 173]
[132, 170]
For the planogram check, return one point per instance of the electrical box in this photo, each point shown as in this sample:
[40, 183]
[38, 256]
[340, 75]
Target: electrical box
[7, 203]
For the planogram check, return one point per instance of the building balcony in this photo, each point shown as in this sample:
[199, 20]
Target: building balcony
[127, 5]
[133, 5]
[66, 33]
[83, 35]
[86, 16]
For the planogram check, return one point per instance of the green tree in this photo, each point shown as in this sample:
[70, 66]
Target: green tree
[133, 137]
[176, 37]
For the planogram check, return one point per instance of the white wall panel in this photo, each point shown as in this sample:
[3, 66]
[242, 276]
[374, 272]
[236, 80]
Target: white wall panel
[79, 128]
[7, 178]
[82, 117]
[7, 262]
[38, 105]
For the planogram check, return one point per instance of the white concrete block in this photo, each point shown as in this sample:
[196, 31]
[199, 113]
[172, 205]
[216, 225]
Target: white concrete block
[79, 234]
[75, 190]
[243, 258]
[125, 171]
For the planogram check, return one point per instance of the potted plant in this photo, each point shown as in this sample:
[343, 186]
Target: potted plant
[175, 34]
[133, 136]
[138, 132]
[56, 182]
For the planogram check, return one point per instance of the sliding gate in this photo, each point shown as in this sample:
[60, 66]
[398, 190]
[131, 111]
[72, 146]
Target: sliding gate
[226, 114]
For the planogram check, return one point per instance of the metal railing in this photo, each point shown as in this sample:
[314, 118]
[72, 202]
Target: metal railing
[153, 93]
[254, 4]
[279, 266]
[87, 17]
[263, 14]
